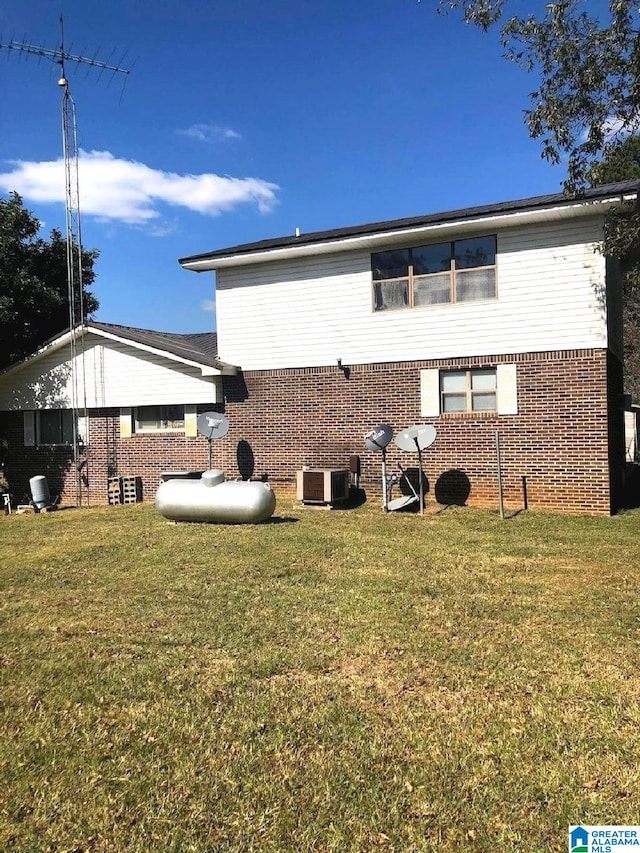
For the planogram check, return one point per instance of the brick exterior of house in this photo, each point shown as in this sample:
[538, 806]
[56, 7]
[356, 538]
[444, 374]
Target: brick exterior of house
[556, 448]
[145, 456]
[564, 450]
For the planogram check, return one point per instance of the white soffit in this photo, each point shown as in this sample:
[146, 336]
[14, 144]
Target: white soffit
[432, 231]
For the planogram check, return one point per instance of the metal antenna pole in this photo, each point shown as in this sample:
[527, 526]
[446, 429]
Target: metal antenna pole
[75, 291]
[74, 264]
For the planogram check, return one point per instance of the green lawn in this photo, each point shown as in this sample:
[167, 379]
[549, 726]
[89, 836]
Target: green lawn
[329, 681]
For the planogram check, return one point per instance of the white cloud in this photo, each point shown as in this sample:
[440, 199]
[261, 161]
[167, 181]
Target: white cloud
[615, 128]
[209, 305]
[209, 133]
[128, 191]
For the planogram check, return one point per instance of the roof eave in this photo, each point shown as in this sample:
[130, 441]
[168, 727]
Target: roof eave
[431, 229]
[223, 369]
[211, 370]
[220, 368]
[48, 347]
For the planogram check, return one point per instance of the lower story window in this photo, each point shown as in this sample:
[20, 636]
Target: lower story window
[159, 418]
[469, 390]
[54, 426]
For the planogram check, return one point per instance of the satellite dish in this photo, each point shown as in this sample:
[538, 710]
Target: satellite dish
[212, 425]
[416, 438]
[379, 437]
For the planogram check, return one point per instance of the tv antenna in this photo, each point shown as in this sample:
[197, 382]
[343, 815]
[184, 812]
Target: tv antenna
[61, 57]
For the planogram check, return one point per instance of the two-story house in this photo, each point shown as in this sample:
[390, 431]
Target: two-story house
[500, 322]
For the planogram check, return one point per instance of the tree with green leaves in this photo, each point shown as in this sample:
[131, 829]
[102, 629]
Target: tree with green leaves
[34, 302]
[586, 58]
[622, 240]
[585, 111]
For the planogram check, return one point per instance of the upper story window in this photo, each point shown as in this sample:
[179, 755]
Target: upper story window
[439, 273]
[159, 418]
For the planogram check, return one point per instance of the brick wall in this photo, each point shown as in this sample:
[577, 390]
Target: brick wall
[146, 456]
[556, 452]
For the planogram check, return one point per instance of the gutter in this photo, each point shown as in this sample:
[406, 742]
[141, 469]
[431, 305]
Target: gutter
[313, 244]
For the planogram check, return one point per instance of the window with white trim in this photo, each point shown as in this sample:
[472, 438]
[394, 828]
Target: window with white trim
[159, 419]
[468, 390]
[473, 391]
[54, 427]
[435, 274]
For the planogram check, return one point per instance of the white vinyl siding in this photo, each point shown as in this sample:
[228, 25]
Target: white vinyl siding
[311, 311]
[116, 375]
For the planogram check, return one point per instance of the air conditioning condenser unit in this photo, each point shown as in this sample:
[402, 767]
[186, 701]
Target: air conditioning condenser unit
[322, 485]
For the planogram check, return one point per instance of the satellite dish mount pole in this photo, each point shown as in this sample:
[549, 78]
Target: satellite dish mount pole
[212, 425]
[420, 478]
[385, 496]
[377, 440]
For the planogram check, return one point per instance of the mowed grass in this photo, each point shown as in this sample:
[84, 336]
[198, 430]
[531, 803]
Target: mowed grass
[329, 681]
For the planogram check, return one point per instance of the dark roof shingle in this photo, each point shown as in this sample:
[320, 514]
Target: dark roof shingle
[201, 347]
[462, 214]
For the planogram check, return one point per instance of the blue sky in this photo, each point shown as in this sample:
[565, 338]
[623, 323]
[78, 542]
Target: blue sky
[241, 121]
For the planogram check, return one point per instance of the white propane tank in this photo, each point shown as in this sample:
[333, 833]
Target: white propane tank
[216, 500]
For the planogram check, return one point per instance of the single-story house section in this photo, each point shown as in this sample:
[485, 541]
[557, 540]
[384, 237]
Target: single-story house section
[107, 402]
[504, 318]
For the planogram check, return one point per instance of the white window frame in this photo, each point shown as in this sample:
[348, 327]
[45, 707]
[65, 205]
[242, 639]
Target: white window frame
[506, 393]
[469, 391]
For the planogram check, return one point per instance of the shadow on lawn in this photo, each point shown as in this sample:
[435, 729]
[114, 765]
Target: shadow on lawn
[281, 519]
